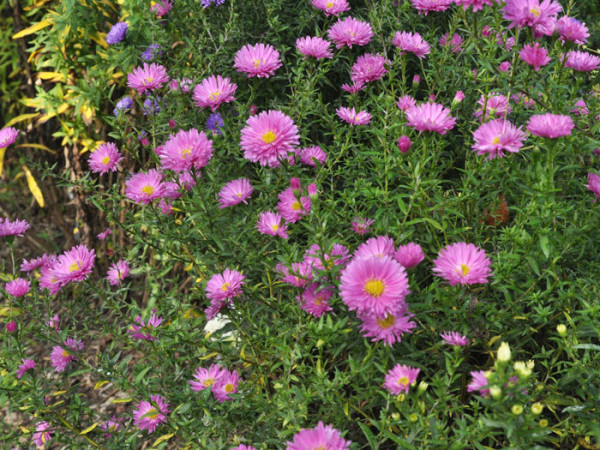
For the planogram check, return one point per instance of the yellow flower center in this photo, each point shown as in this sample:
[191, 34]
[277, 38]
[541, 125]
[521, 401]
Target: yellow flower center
[225, 286]
[148, 190]
[275, 227]
[152, 414]
[536, 12]
[65, 354]
[496, 140]
[402, 381]
[148, 80]
[318, 300]
[239, 194]
[296, 206]
[374, 288]
[328, 4]
[463, 270]
[74, 267]
[386, 323]
[229, 388]
[269, 137]
[256, 63]
[208, 382]
[44, 437]
[214, 96]
[186, 152]
[106, 160]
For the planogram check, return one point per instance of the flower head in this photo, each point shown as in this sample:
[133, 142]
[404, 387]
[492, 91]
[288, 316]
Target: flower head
[226, 285]
[268, 137]
[74, 265]
[314, 298]
[151, 52]
[103, 235]
[145, 187]
[147, 78]
[409, 255]
[122, 105]
[62, 356]
[258, 60]
[150, 414]
[379, 246]
[476, 4]
[405, 102]
[550, 125]
[311, 155]
[352, 117]
[368, 68]
[535, 56]
[412, 43]
[105, 158]
[270, 223]
[425, 6]
[8, 135]
[234, 192]
[112, 425]
[582, 61]
[35, 263]
[160, 7]
[213, 91]
[361, 226]
[350, 31]
[118, 272]
[314, 47]
[593, 184]
[455, 42]
[430, 117]
[571, 29]
[317, 438]
[28, 364]
[142, 330]
[186, 150]
[215, 122]
[539, 15]
[389, 328]
[293, 206]
[454, 338]
[16, 228]
[42, 435]
[399, 379]
[375, 286]
[205, 378]
[227, 384]
[331, 7]
[494, 104]
[462, 263]
[117, 33]
[478, 383]
[495, 137]
[18, 287]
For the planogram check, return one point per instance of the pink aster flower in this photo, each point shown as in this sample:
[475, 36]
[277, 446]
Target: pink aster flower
[48, 278]
[118, 272]
[28, 364]
[319, 437]
[8, 135]
[462, 263]
[580, 108]
[388, 329]
[368, 68]
[454, 338]
[102, 236]
[455, 43]
[399, 379]
[299, 275]
[430, 117]
[74, 265]
[352, 117]
[404, 143]
[541, 16]
[494, 104]
[504, 66]
[478, 383]
[594, 184]
[258, 60]
[476, 4]
[353, 88]
[571, 29]
[361, 226]
[338, 256]
[535, 56]
[186, 150]
[206, 377]
[425, 6]
[16, 228]
[18, 287]
[111, 426]
[234, 192]
[292, 206]
[213, 91]
[243, 447]
[495, 137]
[144, 331]
[145, 187]
[350, 31]
[227, 384]
[270, 223]
[314, 298]
[53, 322]
[11, 326]
[412, 43]
[405, 102]
[147, 78]
[61, 356]
[550, 125]
[268, 137]
[35, 263]
[105, 158]
[314, 47]
[150, 414]
[409, 255]
[379, 246]
[160, 7]
[331, 7]
[42, 434]
[311, 155]
[226, 285]
[374, 286]
[582, 61]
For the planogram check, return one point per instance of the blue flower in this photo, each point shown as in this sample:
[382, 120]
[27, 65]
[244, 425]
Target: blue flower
[122, 105]
[151, 106]
[215, 122]
[151, 52]
[117, 33]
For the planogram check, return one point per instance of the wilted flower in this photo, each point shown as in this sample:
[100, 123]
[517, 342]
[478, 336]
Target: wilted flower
[160, 7]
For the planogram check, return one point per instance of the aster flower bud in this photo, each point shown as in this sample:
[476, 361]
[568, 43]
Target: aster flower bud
[504, 353]
[561, 329]
[537, 408]
[522, 370]
[517, 410]
[495, 392]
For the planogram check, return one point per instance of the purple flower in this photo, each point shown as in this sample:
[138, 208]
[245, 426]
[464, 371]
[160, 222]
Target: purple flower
[123, 105]
[152, 52]
[214, 122]
[16, 228]
[454, 338]
[8, 135]
[151, 106]
[117, 33]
